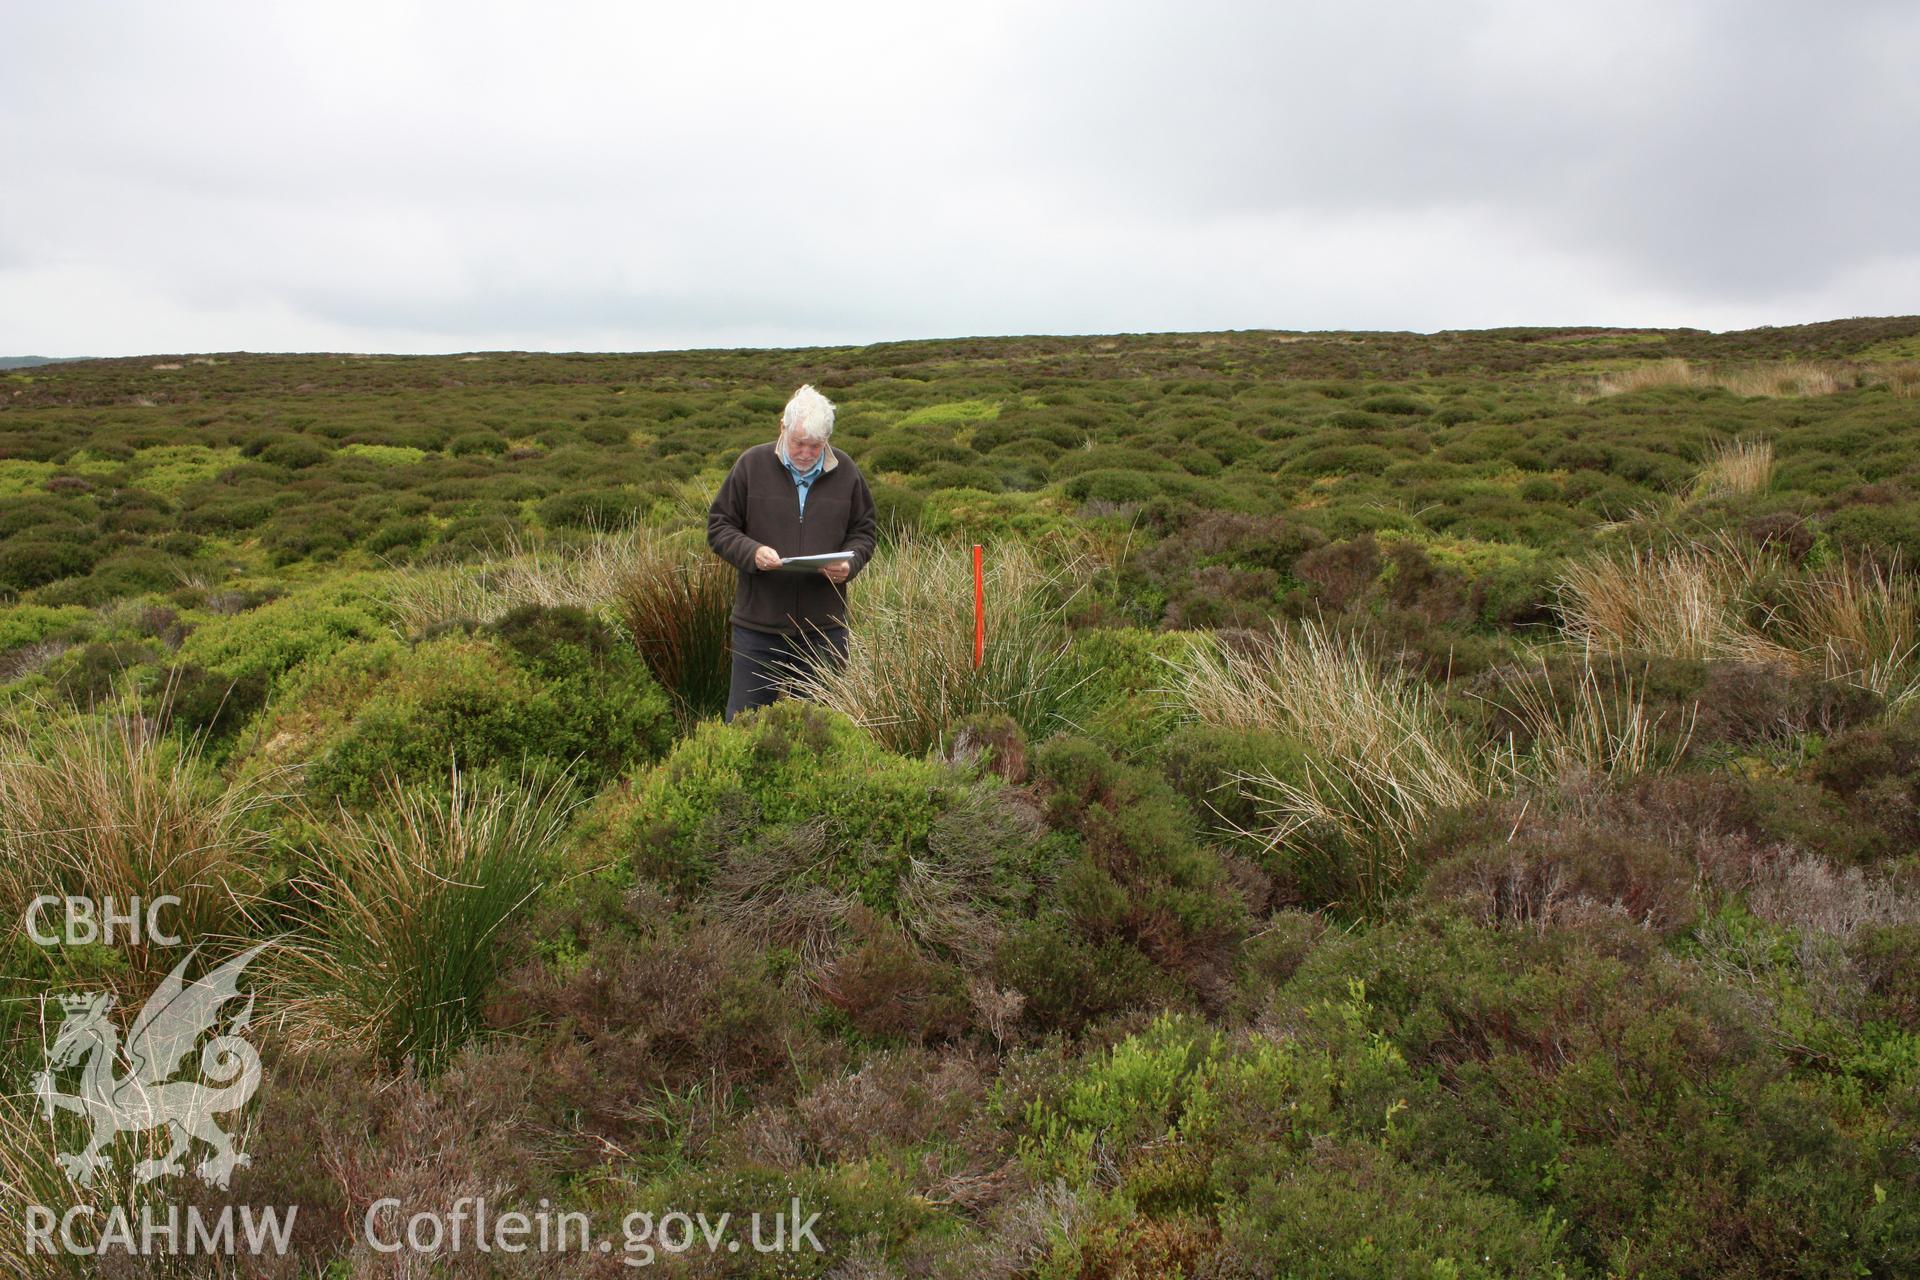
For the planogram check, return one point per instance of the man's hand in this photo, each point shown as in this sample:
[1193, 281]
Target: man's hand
[837, 571]
[766, 558]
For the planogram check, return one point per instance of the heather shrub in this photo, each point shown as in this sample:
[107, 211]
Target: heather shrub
[191, 700]
[1112, 486]
[477, 444]
[1215, 770]
[554, 685]
[632, 1010]
[1875, 769]
[93, 674]
[594, 509]
[1551, 872]
[1351, 1211]
[296, 453]
[308, 533]
[888, 989]
[1142, 873]
[28, 562]
[1068, 980]
[273, 638]
[1888, 960]
[791, 812]
[1586, 1047]
[398, 535]
[1220, 569]
[1341, 572]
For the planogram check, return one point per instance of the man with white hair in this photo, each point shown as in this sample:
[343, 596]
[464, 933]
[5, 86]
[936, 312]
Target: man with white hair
[798, 496]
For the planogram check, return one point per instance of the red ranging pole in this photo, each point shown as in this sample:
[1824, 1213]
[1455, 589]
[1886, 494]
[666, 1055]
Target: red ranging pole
[979, 609]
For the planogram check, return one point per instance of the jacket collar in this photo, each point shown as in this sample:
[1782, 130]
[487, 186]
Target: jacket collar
[827, 461]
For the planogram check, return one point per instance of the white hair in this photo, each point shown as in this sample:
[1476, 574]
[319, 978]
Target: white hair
[808, 415]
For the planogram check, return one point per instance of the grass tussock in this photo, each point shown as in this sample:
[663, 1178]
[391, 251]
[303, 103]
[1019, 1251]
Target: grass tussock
[107, 807]
[1859, 620]
[406, 909]
[30, 1175]
[1683, 601]
[1854, 619]
[421, 598]
[676, 610]
[1384, 756]
[1775, 380]
[909, 674]
[1647, 377]
[1594, 733]
[1736, 468]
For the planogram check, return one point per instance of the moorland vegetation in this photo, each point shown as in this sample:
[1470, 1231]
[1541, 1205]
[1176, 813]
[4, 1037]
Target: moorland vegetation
[1433, 805]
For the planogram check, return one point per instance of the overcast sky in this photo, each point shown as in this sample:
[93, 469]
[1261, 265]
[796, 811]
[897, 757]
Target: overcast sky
[632, 175]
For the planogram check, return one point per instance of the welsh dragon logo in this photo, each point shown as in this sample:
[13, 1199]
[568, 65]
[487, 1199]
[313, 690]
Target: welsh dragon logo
[144, 1097]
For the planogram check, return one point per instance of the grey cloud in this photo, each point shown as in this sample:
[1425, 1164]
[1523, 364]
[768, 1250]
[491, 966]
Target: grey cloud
[437, 175]
[1729, 147]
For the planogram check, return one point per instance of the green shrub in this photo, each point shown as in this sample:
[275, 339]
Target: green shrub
[485, 444]
[563, 692]
[24, 624]
[1888, 959]
[1142, 874]
[1116, 678]
[1071, 981]
[274, 638]
[214, 512]
[134, 571]
[1351, 1212]
[296, 453]
[26, 563]
[397, 535]
[773, 770]
[193, 700]
[897, 509]
[308, 533]
[1396, 405]
[1204, 764]
[1112, 486]
[93, 673]
[597, 509]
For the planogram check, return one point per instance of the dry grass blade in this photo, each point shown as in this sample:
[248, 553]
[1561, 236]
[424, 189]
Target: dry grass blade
[1860, 621]
[1646, 377]
[1856, 620]
[1783, 378]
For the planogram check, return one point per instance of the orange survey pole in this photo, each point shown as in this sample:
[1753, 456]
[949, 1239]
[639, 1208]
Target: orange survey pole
[979, 608]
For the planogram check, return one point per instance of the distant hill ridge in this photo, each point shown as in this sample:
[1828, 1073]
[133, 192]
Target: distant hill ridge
[28, 362]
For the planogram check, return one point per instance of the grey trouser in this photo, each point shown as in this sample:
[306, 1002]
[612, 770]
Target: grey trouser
[761, 659]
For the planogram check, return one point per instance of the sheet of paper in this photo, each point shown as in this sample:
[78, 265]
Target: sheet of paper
[813, 564]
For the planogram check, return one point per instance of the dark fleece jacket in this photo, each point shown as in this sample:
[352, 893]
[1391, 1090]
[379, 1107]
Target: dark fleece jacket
[759, 504]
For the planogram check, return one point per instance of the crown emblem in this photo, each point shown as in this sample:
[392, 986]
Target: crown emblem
[79, 1002]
